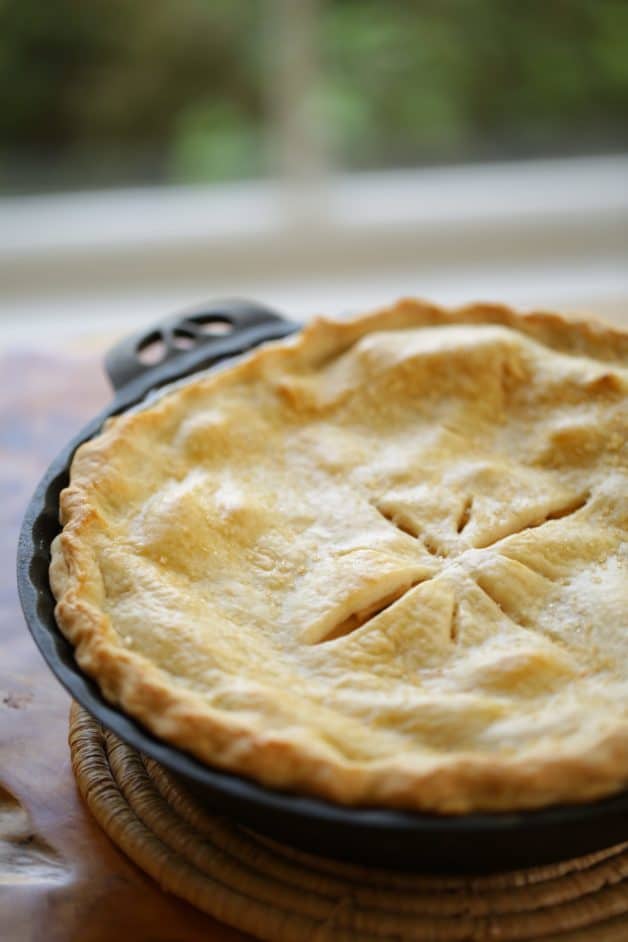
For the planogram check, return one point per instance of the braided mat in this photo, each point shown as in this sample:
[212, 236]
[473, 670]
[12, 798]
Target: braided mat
[282, 895]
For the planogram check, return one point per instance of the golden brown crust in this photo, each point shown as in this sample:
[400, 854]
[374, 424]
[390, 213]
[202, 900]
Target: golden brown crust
[274, 696]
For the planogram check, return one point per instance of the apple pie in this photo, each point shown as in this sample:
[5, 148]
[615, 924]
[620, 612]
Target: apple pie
[382, 562]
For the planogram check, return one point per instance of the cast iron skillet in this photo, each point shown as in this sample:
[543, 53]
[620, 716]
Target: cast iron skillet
[385, 838]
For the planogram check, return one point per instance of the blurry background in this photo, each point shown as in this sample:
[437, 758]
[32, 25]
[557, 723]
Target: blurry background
[321, 155]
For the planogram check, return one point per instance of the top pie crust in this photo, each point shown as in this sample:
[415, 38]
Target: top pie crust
[381, 562]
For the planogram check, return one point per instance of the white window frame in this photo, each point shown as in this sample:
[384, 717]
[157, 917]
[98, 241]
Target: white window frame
[450, 217]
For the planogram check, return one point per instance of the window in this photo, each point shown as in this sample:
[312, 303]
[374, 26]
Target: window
[319, 153]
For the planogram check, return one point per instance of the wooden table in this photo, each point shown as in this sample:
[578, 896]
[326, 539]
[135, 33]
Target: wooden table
[61, 879]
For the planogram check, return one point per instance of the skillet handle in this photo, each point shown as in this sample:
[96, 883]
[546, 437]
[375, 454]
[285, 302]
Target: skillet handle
[191, 338]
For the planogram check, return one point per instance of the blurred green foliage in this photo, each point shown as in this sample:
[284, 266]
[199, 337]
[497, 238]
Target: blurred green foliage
[94, 92]
[98, 93]
[473, 78]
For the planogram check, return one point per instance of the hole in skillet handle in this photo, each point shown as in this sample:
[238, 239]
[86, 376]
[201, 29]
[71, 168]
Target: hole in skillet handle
[151, 350]
[194, 335]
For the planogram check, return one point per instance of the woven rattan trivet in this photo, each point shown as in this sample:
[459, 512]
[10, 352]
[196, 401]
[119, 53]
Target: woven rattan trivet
[283, 895]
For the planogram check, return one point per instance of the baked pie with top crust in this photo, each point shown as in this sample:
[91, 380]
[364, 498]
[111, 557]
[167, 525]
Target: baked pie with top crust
[382, 562]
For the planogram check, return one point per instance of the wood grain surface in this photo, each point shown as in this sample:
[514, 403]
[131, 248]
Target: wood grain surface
[61, 879]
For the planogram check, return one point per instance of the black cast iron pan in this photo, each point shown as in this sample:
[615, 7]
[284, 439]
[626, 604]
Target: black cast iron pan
[394, 839]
